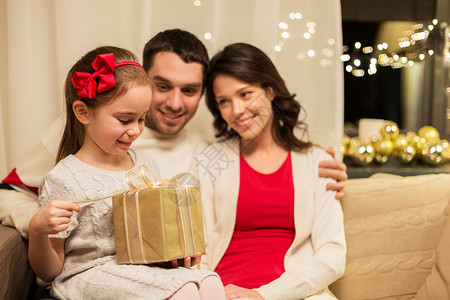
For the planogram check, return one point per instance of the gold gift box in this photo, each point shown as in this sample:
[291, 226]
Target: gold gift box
[158, 223]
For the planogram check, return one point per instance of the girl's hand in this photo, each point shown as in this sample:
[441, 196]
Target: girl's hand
[233, 291]
[53, 217]
[187, 262]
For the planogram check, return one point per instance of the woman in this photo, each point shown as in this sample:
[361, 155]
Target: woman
[273, 230]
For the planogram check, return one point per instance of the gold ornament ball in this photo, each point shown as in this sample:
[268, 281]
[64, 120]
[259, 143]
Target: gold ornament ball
[362, 153]
[406, 155]
[353, 141]
[422, 147]
[381, 158]
[345, 145]
[383, 147]
[446, 150]
[413, 139]
[373, 139]
[400, 143]
[429, 133]
[434, 155]
[389, 129]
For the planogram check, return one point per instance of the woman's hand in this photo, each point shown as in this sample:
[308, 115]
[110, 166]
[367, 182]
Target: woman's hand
[334, 169]
[53, 217]
[233, 291]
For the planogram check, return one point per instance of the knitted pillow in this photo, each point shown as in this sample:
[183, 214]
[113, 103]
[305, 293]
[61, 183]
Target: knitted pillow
[437, 284]
[393, 225]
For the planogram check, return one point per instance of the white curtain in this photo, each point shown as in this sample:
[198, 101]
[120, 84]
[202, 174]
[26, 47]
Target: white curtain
[41, 39]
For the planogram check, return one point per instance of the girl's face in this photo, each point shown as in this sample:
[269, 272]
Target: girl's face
[245, 107]
[113, 127]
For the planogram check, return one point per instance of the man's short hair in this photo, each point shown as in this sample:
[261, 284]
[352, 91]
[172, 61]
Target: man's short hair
[186, 45]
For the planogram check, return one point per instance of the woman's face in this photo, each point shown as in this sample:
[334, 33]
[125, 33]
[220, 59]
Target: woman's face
[245, 107]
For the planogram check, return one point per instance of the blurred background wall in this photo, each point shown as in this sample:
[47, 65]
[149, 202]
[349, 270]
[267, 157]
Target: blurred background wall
[41, 39]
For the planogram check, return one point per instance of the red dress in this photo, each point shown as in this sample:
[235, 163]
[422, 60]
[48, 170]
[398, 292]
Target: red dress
[264, 228]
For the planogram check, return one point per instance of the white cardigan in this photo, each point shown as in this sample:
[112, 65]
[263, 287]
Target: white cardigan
[316, 258]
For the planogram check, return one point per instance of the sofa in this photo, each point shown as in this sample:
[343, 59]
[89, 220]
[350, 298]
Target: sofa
[17, 280]
[398, 238]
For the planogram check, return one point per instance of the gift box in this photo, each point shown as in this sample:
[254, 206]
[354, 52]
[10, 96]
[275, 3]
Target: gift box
[158, 222]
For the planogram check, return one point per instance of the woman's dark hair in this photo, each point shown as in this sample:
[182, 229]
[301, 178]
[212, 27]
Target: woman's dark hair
[125, 76]
[251, 65]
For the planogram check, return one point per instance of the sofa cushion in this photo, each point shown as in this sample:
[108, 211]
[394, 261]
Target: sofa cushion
[393, 225]
[437, 284]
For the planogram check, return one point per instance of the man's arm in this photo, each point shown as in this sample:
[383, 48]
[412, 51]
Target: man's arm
[17, 199]
[334, 169]
[17, 207]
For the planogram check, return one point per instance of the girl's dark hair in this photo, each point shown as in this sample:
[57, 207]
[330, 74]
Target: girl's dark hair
[249, 64]
[126, 77]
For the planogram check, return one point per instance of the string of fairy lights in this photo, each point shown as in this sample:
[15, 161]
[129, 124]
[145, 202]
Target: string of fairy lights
[419, 42]
[416, 44]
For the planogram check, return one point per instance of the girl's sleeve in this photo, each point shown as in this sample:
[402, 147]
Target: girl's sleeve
[53, 188]
[306, 276]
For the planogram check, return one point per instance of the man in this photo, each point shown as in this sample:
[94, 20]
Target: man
[177, 63]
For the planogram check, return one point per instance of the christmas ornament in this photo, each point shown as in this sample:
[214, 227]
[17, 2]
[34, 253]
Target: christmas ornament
[389, 129]
[383, 146]
[345, 145]
[400, 143]
[361, 152]
[434, 154]
[429, 133]
[446, 150]
[413, 140]
[380, 158]
[406, 155]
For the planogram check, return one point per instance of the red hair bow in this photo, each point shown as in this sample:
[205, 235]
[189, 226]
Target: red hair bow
[86, 83]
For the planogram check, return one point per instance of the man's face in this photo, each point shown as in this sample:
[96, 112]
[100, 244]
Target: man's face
[177, 89]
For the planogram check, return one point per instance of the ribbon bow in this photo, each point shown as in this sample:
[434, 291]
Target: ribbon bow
[141, 177]
[86, 83]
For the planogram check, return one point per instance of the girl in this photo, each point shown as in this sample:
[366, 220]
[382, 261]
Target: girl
[108, 95]
[273, 230]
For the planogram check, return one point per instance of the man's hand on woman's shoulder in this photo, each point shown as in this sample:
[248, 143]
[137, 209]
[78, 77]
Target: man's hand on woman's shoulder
[334, 169]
